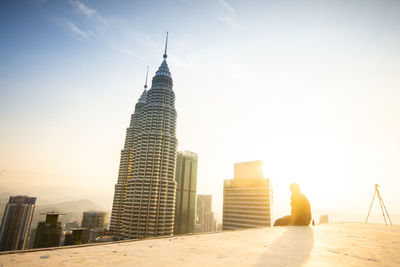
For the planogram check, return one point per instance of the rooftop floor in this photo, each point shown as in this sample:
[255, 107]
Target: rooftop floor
[347, 244]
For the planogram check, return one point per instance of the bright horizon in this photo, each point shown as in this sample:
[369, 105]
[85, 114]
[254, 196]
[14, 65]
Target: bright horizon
[310, 88]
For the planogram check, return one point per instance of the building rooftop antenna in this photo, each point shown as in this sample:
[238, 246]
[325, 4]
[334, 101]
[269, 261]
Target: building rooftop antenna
[147, 74]
[166, 45]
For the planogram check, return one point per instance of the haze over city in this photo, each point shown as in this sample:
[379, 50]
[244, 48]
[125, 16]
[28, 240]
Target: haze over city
[310, 88]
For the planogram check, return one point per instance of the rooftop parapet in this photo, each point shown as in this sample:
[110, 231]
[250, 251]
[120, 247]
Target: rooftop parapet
[349, 244]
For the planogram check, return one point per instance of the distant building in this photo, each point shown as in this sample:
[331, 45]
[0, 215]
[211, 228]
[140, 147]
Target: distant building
[323, 219]
[16, 222]
[71, 225]
[94, 219]
[186, 178]
[48, 233]
[3, 202]
[77, 236]
[31, 238]
[247, 198]
[106, 238]
[95, 233]
[205, 217]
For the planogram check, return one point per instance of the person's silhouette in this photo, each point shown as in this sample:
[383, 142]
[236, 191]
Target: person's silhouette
[301, 211]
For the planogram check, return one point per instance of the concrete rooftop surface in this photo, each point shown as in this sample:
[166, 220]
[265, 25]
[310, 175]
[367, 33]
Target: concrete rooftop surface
[344, 244]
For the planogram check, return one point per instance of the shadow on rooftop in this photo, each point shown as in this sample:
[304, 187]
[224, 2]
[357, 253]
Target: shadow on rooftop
[292, 248]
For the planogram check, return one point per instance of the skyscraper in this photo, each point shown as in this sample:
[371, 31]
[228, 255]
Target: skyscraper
[48, 233]
[205, 216]
[144, 199]
[186, 178]
[94, 219]
[247, 198]
[16, 222]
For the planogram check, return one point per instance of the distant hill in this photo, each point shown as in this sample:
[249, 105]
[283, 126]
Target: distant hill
[71, 206]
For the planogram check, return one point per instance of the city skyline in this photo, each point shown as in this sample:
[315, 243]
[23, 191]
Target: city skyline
[312, 92]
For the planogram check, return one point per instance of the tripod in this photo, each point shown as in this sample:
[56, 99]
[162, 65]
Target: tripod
[381, 203]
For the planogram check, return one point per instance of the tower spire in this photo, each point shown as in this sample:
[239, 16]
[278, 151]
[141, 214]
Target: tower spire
[147, 74]
[143, 97]
[166, 45]
[163, 69]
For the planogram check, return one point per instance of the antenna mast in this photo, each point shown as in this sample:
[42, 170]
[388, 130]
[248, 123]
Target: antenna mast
[147, 74]
[166, 45]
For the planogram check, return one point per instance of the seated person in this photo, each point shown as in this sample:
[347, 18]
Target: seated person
[301, 211]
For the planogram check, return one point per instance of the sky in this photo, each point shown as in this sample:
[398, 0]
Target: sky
[309, 87]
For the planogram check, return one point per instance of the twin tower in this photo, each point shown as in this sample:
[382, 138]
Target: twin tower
[144, 197]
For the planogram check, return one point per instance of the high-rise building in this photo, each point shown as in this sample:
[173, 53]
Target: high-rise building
[247, 198]
[205, 216]
[48, 233]
[186, 178]
[144, 198]
[94, 219]
[16, 222]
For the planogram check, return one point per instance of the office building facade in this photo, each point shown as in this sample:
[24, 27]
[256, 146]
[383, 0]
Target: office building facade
[144, 198]
[77, 236]
[205, 216]
[186, 179]
[94, 219]
[16, 222]
[247, 198]
[48, 233]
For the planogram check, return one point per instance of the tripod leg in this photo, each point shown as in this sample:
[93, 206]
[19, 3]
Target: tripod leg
[380, 197]
[370, 206]
[380, 203]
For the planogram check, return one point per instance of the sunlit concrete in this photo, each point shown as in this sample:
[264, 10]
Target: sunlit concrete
[347, 244]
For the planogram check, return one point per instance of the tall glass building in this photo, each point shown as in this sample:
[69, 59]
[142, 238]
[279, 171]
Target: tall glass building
[144, 198]
[16, 222]
[186, 178]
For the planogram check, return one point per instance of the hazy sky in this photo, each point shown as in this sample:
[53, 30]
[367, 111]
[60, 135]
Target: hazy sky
[312, 88]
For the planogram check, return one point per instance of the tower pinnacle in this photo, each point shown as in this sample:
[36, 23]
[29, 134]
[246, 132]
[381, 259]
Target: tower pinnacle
[147, 74]
[166, 45]
[163, 69]
[143, 97]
